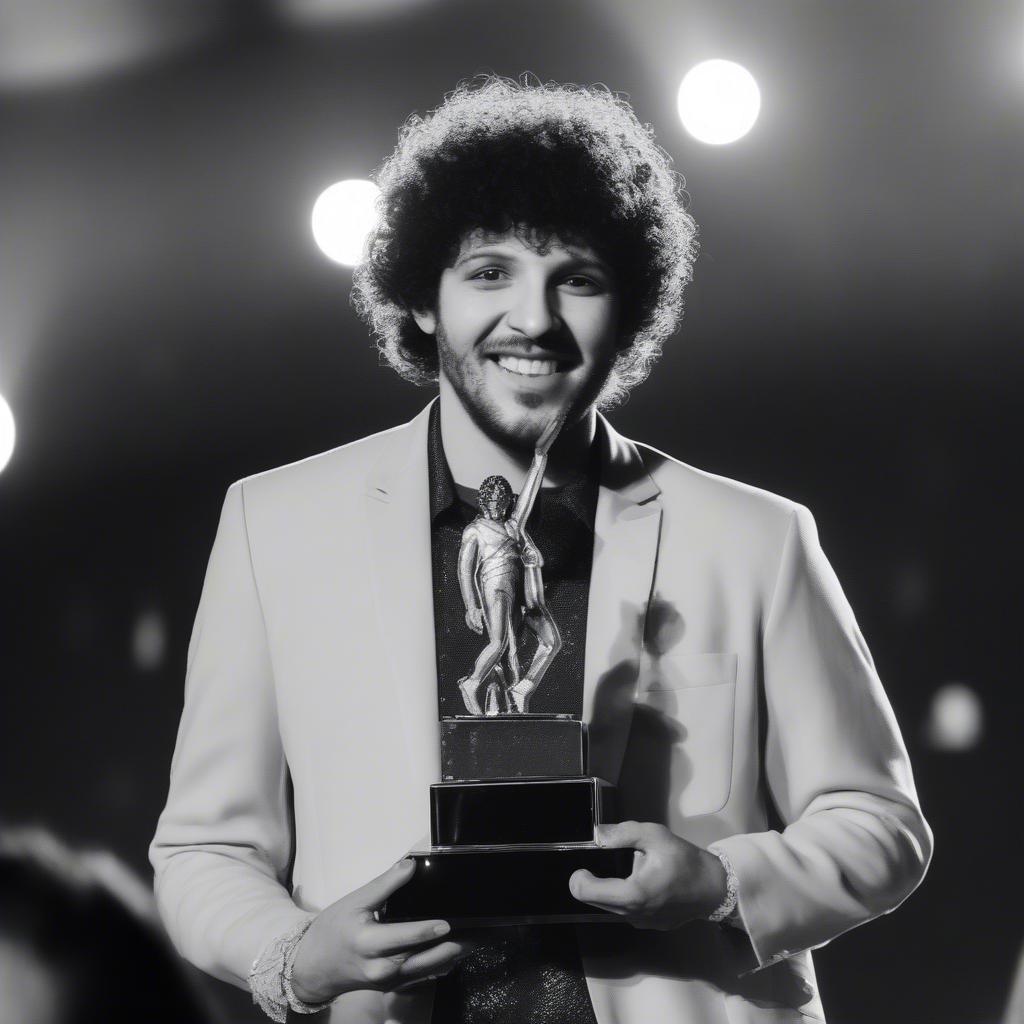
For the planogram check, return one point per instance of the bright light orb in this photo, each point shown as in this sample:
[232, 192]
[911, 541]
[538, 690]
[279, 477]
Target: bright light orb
[6, 433]
[956, 719]
[718, 102]
[344, 214]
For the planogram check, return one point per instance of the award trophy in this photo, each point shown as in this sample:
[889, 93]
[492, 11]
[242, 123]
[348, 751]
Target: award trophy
[515, 812]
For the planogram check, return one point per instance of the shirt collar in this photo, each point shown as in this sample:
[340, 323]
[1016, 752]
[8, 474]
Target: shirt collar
[442, 485]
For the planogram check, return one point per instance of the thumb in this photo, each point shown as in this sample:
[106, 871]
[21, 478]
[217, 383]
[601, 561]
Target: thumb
[632, 835]
[373, 895]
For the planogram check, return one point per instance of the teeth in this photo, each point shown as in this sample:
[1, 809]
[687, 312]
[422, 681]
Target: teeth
[528, 367]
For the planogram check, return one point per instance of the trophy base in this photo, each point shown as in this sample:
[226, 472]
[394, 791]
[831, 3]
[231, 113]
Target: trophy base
[518, 812]
[505, 747]
[504, 886]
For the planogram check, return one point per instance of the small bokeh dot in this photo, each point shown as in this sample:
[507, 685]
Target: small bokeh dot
[956, 719]
[149, 641]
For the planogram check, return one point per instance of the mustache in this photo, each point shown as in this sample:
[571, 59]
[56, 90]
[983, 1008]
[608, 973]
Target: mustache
[554, 343]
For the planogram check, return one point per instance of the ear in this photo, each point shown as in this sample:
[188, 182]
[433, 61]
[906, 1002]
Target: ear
[426, 320]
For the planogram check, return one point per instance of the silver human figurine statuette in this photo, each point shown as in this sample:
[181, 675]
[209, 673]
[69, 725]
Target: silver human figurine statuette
[502, 586]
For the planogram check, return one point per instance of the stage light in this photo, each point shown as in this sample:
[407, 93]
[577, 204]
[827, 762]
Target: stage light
[149, 641]
[956, 718]
[343, 216]
[718, 101]
[6, 433]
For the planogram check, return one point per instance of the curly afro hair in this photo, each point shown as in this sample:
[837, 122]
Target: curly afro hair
[496, 488]
[551, 161]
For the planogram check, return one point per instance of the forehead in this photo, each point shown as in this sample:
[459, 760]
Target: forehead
[525, 243]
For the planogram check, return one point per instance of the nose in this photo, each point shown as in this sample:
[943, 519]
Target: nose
[533, 312]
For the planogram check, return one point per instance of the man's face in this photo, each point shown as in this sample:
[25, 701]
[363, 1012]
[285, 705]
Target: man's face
[523, 334]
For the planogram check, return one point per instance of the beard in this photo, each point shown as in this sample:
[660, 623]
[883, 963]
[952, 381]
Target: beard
[465, 374]
[514, 422]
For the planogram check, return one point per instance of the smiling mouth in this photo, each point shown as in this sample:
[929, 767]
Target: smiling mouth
[528, 367]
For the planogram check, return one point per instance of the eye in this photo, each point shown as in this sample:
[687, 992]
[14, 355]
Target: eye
[584, 284]
[490, 275]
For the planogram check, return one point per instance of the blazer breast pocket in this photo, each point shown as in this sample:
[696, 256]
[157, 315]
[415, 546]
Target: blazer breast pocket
[686, 705]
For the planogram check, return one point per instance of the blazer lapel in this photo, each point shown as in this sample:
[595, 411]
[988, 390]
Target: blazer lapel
[626, 531]
[398, 510]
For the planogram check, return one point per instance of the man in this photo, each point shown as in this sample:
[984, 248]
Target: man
[531, 259]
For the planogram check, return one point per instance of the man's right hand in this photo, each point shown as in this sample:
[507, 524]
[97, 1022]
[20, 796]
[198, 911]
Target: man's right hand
[475, 619]
[346, 948]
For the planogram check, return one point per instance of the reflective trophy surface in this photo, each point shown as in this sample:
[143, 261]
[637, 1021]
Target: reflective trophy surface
[515, 813]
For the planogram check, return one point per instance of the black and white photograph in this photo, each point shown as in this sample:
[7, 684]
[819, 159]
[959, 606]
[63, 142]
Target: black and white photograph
[506, 511]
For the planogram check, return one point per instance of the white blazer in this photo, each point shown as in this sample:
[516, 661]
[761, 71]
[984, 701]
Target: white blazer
[728, 689]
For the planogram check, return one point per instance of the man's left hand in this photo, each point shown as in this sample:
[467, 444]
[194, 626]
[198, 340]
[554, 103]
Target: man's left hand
[672, 882]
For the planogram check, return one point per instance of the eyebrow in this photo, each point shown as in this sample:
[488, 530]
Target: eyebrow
[490, 252]
[485, 252]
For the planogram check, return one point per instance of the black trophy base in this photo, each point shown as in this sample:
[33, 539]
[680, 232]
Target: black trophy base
[524, 885]
[518, 812]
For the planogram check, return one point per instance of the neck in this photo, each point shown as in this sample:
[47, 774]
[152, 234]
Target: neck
[473, 455]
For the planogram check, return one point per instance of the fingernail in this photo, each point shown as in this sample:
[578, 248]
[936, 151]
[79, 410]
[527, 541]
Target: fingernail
[442, 929]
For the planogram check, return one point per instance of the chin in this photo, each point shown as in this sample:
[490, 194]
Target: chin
[512, 421]
[515, 417]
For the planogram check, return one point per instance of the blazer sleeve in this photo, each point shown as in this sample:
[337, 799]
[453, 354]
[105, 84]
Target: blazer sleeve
[223, 844]
[855, 844]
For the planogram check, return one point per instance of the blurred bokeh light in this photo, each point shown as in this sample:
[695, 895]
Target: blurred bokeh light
[718, 101]
[46, 43]
[6, 433]
[325, 12]
[149, 641]
[956, 719]
[343, 216]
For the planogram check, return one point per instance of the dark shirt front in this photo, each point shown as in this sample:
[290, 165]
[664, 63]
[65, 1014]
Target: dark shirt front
[530, 973]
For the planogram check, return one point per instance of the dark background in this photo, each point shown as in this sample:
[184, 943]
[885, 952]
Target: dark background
[852, 337]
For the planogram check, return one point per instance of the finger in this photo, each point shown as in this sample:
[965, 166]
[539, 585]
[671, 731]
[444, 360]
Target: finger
[439, 972]
[373, 895]
[634, 835]
[385, 939]
[437, 959]
[411, 986]
[608, 892]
